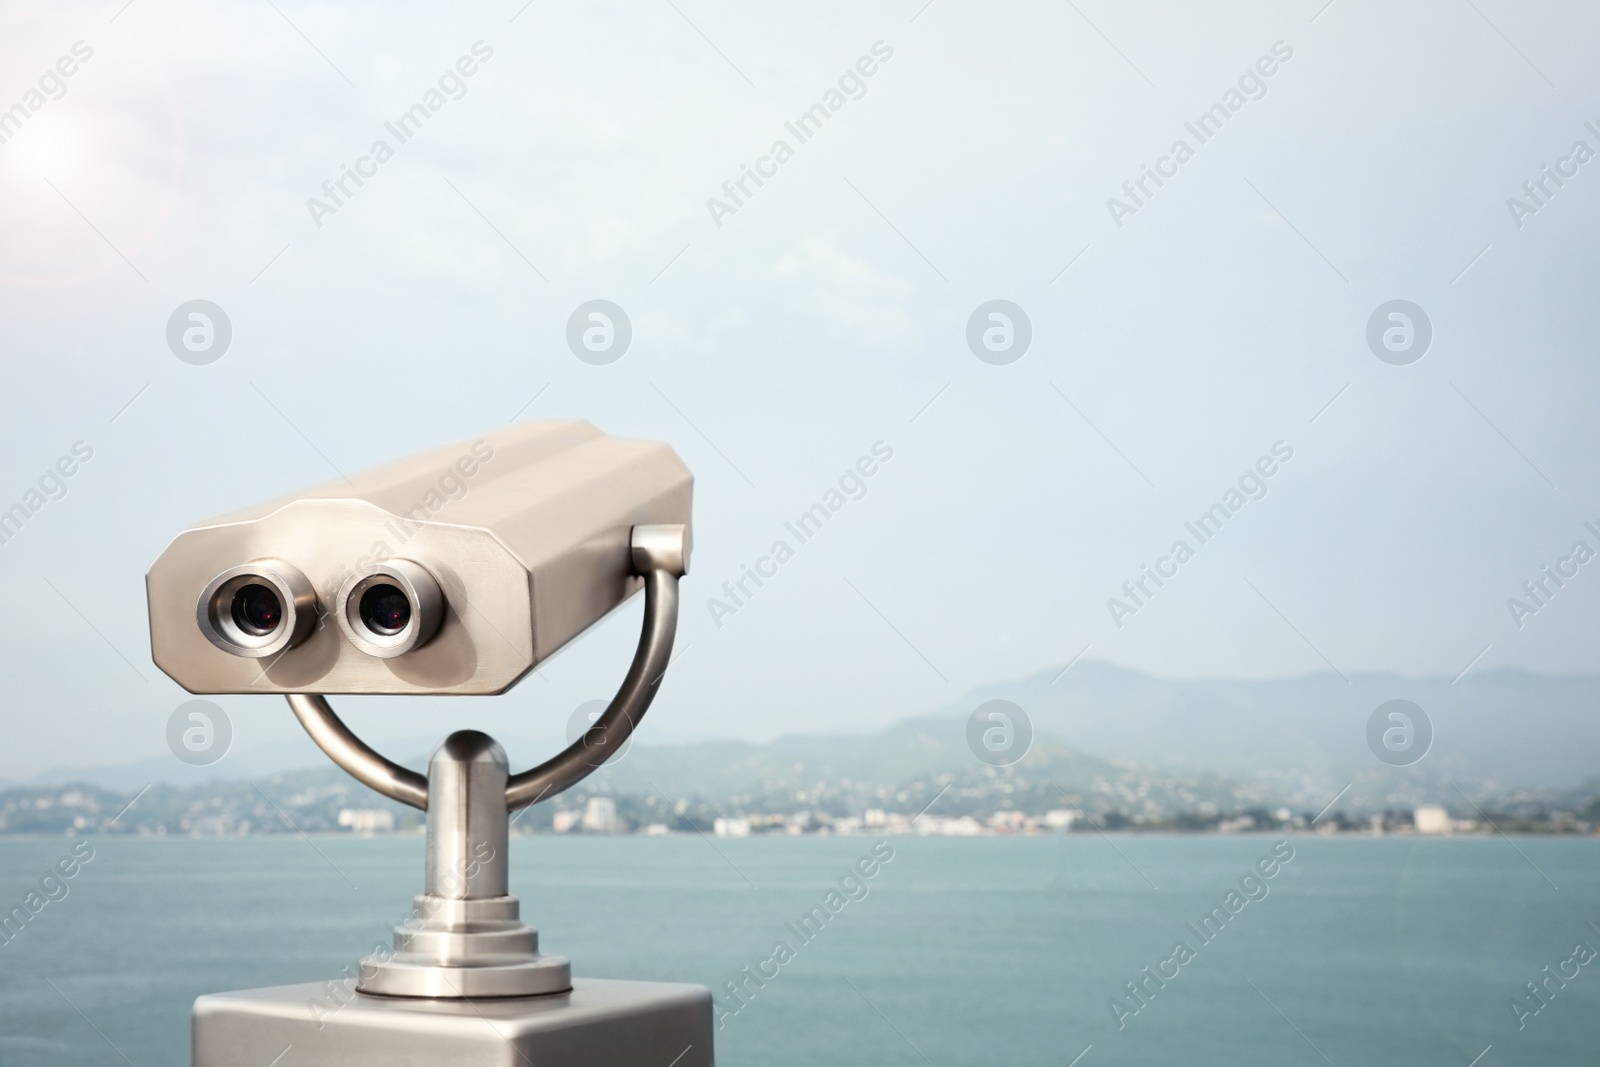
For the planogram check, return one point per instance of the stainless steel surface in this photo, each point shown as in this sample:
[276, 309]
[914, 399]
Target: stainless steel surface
[465, 949]
[464, 937]
[467, 820]
[611, 730]
[427, 605]
[598, 1024]
[526, 531]
[663, 552]
[214, 610]
[350, 753]
[498, 573]
[660, 548]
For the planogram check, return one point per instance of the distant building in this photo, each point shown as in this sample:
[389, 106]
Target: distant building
[600, 816]
[1059, 818]
[1007, 821]
[656, 829]
[565, 820]
[731, 827]
[1431, 819]
[366, 820]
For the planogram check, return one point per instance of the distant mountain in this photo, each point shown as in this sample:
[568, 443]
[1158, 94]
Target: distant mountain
[913, 759]
[811, 782]
[1511, 727]
[845, 773]
[912, 766]
[1500, 735]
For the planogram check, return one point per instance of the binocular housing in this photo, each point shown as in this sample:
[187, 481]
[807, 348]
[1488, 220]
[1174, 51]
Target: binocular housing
[456, 571]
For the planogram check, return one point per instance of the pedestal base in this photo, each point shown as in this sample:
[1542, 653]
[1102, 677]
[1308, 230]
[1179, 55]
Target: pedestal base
[599, 1023]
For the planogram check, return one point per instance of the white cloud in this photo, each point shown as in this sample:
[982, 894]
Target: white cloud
[857, 303]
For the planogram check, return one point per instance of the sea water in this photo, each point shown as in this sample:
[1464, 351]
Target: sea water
[1355, 950]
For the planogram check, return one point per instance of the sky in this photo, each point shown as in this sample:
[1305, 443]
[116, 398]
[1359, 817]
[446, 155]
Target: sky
[1179, 334]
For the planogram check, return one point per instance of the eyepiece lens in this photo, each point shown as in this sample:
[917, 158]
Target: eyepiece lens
[385, 609]
[257, 610]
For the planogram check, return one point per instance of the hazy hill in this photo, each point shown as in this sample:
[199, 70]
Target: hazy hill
[911, 766]
[1499, 735]
[904, 769]
[1510, 726]
[896, 766]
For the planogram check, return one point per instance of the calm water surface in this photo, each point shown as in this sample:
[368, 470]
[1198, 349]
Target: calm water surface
[977, 951]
